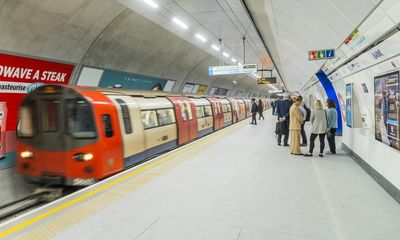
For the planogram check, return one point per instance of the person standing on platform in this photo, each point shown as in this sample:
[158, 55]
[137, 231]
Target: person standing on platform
[332, 125]
[319, 123]
[282, 110]
[296, 121]
[254, 110]
[260, 109]
[305, 112]
[273, 105]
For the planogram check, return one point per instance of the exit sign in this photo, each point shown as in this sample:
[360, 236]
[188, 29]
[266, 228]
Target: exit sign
[321, 54]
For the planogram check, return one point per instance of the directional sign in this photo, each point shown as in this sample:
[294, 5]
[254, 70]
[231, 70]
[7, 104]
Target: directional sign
[267, 80]
[321, 54]
[235, 69]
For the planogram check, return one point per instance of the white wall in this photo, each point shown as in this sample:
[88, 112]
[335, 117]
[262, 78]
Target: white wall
[381, 157]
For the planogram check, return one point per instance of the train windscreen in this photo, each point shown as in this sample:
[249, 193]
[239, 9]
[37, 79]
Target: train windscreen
[80, 119]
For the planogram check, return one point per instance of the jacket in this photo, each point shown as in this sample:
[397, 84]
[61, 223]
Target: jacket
[254, 108]
[332, 118]
[303, 112]
[296, 120]
[283, 108]
[319, 122]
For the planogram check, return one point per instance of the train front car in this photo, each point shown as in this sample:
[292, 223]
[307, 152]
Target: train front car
[68, 136]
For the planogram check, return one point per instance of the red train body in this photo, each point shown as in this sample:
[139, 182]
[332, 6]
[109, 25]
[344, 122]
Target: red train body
[77, 136]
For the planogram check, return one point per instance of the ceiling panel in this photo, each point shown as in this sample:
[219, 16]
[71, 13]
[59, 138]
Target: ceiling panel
[290, 28]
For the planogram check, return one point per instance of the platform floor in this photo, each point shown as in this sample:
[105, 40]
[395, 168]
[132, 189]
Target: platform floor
[236, 184]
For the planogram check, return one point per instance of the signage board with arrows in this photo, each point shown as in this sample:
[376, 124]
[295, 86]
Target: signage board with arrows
[321, 54]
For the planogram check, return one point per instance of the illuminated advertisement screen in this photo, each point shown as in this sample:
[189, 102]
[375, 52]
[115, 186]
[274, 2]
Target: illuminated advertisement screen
[349, 105]
[386, 90]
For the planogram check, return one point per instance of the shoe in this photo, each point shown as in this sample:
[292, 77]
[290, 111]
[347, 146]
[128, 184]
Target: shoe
[308, 155]
[303, 144]
[330, 153]
[286, 145]
[279, 144]
[297, 154]
[321, 155]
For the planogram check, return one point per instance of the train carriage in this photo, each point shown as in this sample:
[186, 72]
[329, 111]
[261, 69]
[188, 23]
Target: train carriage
[79, 135]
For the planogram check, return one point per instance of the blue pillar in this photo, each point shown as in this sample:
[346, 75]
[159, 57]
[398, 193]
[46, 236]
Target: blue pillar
[331, 93]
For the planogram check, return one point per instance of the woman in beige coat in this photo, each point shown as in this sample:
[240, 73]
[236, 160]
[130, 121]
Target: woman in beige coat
[296, 120]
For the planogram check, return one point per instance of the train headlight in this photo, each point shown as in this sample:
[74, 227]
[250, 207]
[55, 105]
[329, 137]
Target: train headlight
[27, 154]
[84, 157]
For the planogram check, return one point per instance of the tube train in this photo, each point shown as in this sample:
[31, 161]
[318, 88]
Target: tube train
[72, 135]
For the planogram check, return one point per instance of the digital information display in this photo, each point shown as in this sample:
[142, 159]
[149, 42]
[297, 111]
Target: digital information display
[232, 69]
[387, 114]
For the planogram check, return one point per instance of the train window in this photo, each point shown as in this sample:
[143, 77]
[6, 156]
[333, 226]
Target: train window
[149, 119]
[25, 124]
[107, 125]
[49, 113]
[189, 110]
[200, 112]
[224, 108]
[183, 112]
[165, 116]
[228, 108]
[207, 111]
[125, 116]
[80, 120]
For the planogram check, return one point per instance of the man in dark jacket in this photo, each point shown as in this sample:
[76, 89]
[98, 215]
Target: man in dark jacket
[254, 110]
[273, 105]
[282, 110]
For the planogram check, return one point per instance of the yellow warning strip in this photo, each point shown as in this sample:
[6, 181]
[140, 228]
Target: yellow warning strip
[108, 185]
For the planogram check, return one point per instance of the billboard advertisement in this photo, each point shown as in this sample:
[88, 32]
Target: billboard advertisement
[18, 76]
[386, 90]
[349, 105]
[194, 88]
[117, 79]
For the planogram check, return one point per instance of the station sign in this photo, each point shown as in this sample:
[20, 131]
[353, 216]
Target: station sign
[232, 69]
[321, 54]
[266, 80]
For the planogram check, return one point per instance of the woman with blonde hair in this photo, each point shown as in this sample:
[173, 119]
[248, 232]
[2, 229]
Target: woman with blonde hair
[319, 124]
[296, 120]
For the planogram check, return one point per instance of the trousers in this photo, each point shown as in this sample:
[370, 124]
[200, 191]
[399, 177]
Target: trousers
[286, 133]
[331, 140]
[303, 134]
[295, 142]
[321, 142]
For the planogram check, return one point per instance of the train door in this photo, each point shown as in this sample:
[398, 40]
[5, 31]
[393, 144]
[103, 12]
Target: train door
[182, 119]
[215, 112]
[192, 118]
[51, 137]
[110, 135]
[3, 124]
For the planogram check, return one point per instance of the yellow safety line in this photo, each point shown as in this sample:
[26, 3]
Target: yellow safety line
[108, 185]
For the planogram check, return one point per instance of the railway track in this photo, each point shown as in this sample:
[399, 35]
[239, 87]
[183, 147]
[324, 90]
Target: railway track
[39, 196]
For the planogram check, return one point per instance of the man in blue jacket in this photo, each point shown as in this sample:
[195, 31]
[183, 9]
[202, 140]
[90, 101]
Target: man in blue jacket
[282, 110]
[254, 110]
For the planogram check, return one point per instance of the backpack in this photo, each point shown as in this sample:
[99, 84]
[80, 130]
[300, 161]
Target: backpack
[308, 116]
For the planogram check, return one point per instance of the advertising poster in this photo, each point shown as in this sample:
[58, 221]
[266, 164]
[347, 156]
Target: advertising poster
[116, 79]
[386, 90]
[349, 105]
[194, 88]
[18, 76]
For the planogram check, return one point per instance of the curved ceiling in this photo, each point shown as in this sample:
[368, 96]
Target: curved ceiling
[291, 28]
